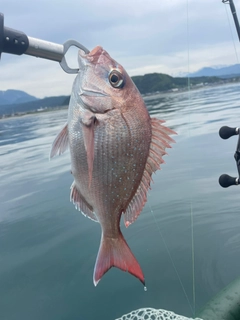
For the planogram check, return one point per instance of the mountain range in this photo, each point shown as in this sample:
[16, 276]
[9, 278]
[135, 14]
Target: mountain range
[33, 105]
[226, 71]
[19, 102]
[15, 97]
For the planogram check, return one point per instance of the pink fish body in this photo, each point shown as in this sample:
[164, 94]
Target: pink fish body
[115, 147]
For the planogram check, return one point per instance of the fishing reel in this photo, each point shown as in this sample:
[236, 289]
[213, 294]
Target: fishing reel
[225, 180]
[16, 42]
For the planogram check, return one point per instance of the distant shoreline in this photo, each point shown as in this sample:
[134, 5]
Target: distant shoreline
[145, 96]
[18, 115]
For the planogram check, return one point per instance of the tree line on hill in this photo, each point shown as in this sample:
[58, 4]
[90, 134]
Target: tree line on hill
[146, 84]
[150, 83]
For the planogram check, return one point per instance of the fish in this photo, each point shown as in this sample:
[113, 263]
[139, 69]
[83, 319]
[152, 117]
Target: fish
[115, 147]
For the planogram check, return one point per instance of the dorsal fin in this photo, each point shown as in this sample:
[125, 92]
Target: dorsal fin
[81, 204]
[159, 142]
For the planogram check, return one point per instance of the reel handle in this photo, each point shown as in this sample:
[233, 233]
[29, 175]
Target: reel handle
[227, 132]
[226, 181]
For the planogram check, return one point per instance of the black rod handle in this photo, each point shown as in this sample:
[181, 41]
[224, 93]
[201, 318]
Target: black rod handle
[226, 181]
[12, 41]
[227, 132]
[16, 42]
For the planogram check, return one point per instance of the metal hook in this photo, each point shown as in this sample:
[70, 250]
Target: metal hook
[66, 46]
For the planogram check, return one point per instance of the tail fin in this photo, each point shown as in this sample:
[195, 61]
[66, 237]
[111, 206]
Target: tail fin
[116, 253]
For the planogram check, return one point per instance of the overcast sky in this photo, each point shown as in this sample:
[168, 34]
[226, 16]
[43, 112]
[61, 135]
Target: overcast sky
[167, 36]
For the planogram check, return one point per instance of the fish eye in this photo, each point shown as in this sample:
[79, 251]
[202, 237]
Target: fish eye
[116, 79]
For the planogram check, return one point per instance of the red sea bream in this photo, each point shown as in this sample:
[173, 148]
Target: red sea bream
[115, 147]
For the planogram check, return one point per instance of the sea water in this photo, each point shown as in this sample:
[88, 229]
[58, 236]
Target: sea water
[187, 238]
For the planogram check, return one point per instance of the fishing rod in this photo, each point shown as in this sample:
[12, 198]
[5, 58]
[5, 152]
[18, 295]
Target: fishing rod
[18, 43]
[225, 180]
[234, 14]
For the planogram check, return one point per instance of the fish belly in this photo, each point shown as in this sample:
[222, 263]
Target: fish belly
[121, 148]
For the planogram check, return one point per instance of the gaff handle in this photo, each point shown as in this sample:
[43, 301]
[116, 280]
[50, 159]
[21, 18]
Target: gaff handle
[225, 180]
[18, 43]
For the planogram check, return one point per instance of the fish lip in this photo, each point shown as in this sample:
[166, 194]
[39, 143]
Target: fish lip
[88, 58]
[84, 60]
[92, 93]
[89, 107]
[96, 52]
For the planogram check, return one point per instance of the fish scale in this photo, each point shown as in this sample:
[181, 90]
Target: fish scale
[115, 147]
[110, 164]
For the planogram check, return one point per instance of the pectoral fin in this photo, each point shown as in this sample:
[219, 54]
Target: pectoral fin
[60, 143]
[88, 121]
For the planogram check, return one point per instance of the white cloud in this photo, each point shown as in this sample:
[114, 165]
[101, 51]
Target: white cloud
[144, 37]
[35, 76]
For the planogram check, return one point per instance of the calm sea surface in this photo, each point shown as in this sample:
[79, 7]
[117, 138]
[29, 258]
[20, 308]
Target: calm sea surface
[48, 249]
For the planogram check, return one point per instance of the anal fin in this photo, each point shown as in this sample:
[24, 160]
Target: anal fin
[81, 204]
[60, 143]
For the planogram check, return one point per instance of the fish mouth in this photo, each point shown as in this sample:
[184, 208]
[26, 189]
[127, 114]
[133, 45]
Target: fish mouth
[90, 58]
[96, 50]
[92, 93]
[93, 55]
[89, 92]
[86, 97]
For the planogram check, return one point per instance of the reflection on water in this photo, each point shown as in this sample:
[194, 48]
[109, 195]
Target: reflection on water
[48, 249]
[196, 110]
